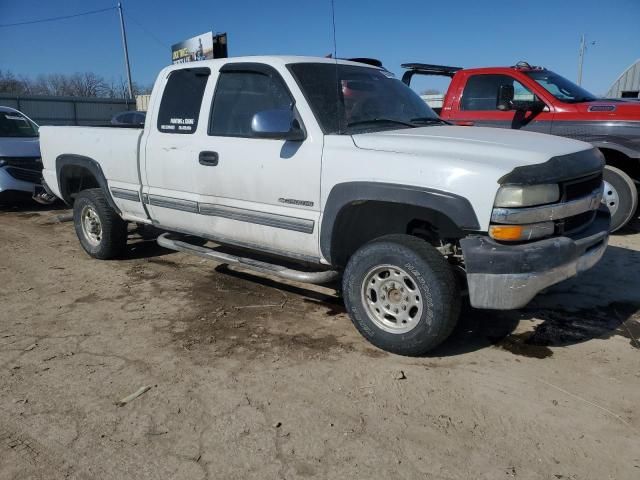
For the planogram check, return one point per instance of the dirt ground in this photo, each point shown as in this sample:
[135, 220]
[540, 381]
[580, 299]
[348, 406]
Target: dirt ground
[252, 378]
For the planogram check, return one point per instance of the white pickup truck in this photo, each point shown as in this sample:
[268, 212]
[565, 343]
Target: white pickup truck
[336, 169]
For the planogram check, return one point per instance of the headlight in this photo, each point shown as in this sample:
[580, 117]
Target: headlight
[527, 195]
[520, 233]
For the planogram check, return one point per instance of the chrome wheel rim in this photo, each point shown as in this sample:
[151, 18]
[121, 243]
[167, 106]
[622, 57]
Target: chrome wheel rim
[392, 299]
[91, 225]
[611, 198]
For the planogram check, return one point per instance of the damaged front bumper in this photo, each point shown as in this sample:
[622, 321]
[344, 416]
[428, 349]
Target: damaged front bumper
[505, 277]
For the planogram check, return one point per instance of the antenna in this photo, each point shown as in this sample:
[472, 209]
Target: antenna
[335, 59]
[333, 22]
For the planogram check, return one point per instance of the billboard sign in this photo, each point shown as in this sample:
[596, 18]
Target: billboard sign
[193, 49]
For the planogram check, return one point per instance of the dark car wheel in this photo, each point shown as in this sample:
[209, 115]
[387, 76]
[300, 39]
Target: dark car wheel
[401, 294]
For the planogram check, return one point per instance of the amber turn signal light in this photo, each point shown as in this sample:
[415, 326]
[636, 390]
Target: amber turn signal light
[518, 233]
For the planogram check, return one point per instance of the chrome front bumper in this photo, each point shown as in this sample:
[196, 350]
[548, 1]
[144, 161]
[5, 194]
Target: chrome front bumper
[505, 277]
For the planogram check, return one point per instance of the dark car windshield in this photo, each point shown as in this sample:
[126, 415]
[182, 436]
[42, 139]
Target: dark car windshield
[14, 124]
[350, 99]
[561, 88]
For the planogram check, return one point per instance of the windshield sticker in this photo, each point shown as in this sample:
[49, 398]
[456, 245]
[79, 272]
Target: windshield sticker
[184, 124]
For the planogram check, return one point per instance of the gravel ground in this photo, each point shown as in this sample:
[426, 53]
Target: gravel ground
[250, 377]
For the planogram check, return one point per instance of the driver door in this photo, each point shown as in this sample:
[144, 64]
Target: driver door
[261, 192]
[479, 105]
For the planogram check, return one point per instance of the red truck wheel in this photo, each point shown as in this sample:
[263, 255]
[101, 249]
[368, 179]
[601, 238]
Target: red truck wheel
[620, 195]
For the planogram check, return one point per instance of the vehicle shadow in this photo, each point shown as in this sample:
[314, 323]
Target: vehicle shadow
[632, 228]
[334, 303]
[23, 203]
[598, 304]
[141, 243]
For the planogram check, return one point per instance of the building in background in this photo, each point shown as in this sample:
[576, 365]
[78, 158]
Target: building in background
[628, 83]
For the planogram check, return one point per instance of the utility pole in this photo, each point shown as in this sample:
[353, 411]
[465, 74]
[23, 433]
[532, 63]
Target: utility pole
[126, 51]
[582, 51]
[583, 47]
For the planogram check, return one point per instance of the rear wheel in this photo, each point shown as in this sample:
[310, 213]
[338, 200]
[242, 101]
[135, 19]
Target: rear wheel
[620, 196]
[401, 294]
[101, 231]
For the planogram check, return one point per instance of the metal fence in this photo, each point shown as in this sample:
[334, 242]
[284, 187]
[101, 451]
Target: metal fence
[46, 110]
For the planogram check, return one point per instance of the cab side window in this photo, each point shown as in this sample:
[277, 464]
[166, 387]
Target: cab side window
[481, 92]
[181, 100]
[239, 96]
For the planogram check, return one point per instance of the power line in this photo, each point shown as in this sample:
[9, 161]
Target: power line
[146, 30]
[53, 19]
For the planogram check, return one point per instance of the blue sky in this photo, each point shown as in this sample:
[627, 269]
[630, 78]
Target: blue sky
[462, 33]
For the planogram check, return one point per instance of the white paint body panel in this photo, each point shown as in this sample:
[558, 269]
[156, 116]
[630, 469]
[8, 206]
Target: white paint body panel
[254, 174]
[460, 160]
[114, 149]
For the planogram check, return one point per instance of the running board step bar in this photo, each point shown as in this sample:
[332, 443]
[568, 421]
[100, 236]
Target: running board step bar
[173, 242]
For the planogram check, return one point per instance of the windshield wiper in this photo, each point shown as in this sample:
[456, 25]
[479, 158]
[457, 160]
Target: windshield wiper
[380, 120]
[429, 120]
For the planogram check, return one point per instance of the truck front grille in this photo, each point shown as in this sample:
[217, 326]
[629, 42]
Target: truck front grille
[572, 190]
[580, 187]
[575, 224]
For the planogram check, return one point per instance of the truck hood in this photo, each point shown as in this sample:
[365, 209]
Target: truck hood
[19, 147]
[501, 149]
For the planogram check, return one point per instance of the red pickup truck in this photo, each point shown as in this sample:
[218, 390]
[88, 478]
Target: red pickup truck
[534, 98]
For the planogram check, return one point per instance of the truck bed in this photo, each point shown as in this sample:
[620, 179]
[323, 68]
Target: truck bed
[115, 149]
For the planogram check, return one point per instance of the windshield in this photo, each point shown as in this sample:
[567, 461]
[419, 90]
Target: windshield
[350, 99]
[14, 124]
[561, 88]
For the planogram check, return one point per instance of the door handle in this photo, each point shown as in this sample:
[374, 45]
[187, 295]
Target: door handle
[464, 123]
[208, 159]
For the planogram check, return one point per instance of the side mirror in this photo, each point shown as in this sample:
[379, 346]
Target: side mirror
[279, 124]
[505, 97]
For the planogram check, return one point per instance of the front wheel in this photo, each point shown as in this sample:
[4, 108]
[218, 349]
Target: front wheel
[101, 231]
[401, 294]
[620, 195]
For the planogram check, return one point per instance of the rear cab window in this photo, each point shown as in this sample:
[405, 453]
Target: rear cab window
[181, 100]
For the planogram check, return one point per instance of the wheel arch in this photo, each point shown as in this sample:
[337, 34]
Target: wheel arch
[357, 212]
[619, 157]
[76, 173]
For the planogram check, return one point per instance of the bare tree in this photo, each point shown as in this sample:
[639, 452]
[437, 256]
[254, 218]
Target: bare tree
[9, 83]
[119, 89]
[85, 84]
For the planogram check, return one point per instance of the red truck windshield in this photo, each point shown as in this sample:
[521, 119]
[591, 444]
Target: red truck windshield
[561, 88]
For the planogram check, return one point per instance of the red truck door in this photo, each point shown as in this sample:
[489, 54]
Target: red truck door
[475, 102]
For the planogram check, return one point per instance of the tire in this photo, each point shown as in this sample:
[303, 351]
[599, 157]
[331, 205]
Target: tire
[620, 195]
[426, 286]
[101, 231]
